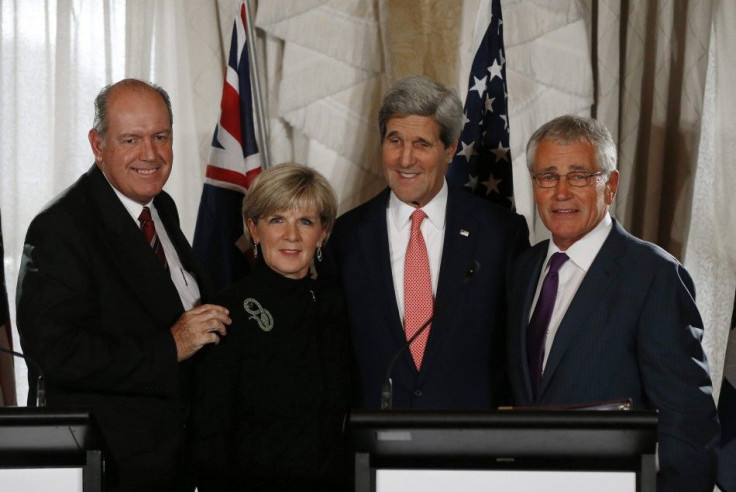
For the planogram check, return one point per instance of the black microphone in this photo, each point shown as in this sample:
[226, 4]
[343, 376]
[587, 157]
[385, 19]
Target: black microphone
[387, 386]
[40, 381]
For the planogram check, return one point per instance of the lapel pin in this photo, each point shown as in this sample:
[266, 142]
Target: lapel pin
[464, 233]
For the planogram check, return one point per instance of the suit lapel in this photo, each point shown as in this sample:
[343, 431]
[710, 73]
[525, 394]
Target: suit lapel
[131, 256]
[374, 246]
[461, 229]
[528, 279]
[592, 292]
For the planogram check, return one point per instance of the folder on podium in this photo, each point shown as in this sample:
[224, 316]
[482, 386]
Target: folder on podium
[52, 437]
[523, 440]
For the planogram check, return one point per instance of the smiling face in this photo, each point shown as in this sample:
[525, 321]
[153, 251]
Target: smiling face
[414, 158]
[570, 212]
[135, 153]
[288, 239]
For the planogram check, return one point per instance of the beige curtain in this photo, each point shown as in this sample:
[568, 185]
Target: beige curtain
[710, 255]
[650, 60]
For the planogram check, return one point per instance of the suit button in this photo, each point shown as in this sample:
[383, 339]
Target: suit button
[418, 393]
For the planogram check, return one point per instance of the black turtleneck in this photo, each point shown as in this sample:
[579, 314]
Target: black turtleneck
[272, 396]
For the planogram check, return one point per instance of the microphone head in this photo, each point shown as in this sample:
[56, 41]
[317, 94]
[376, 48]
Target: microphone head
[472, 269]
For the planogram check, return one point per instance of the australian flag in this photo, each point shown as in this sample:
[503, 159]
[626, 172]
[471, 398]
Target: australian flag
[727, 414]
[233, 164]
[483, 159]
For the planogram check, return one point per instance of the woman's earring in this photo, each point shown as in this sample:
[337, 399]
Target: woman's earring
[255, 251]
[318, 255]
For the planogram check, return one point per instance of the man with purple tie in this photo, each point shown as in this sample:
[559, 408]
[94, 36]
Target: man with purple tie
[596, 314]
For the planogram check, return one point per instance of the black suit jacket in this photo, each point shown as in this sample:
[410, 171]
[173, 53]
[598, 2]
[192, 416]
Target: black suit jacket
[632, 331]
[463, 366]
[94, 311]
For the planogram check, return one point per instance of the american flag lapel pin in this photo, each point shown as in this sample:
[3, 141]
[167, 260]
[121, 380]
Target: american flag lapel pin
[464, 233]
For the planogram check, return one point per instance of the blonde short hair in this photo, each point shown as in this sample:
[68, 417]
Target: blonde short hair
[289, 186]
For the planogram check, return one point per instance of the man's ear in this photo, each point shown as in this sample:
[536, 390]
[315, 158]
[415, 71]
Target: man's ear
[450, 151]
[96, 142]
[611, 187]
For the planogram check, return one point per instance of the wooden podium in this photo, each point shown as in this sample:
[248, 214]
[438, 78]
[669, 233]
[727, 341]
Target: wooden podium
[505, 440]
[52, 438]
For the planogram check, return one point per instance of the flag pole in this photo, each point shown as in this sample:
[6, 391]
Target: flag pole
[255, 81]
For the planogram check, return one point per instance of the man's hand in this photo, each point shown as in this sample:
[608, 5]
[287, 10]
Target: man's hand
[197, 327]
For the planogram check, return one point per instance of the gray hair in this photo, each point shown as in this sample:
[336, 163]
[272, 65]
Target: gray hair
[103, 98]
[569, 129]
[417, 95]
[288, 186]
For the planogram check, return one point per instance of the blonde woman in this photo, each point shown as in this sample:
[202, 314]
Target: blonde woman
[272, 396]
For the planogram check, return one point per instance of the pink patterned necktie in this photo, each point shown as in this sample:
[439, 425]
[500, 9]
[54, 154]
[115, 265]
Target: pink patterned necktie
[418, 298]
[149, 232]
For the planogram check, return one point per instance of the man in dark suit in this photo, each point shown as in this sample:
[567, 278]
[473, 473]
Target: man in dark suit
[403, 255]
[110, 310]
[596, 314]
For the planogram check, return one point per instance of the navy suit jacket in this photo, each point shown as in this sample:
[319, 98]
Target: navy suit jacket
[94, 311]
[632, 331]
[463, 366]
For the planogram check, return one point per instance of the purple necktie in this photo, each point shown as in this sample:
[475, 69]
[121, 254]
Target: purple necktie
[536, 333]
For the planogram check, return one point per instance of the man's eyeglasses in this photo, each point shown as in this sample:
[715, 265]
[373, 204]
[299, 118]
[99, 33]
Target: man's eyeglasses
[575, 178]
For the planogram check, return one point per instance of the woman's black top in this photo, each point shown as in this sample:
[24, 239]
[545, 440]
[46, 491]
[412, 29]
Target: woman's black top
[270, 400]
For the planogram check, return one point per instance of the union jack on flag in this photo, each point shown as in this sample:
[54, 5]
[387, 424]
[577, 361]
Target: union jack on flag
[234, 162]
[482, 162]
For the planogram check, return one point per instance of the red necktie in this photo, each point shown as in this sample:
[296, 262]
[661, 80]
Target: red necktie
[149, 232]
[418, 298]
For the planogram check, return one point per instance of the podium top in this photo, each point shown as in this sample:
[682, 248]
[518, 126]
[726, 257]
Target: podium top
[515, 418]
[47, 436]
[527, 433]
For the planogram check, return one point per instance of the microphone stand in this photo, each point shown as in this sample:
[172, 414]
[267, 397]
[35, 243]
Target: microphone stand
[387, 388]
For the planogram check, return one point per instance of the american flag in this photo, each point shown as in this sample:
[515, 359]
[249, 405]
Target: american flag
[233, 164]
[483, 159]
[727, 414]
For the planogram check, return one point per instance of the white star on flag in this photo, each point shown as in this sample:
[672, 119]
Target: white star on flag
[489, 103]
[495, 70]
[472, 182]
[479, 86]
[500, 152]
[491, 184]
[467, 150]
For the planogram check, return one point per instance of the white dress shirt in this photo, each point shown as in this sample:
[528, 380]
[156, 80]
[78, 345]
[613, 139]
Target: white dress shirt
[185, 283]
[571, 274]
[398, 219]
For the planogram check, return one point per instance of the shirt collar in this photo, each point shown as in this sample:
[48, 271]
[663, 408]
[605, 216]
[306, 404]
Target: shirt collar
[584, 250]
[134, 208]
[435, 209]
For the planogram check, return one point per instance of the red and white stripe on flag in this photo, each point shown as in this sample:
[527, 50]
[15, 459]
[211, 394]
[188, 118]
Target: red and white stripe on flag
[234, 161]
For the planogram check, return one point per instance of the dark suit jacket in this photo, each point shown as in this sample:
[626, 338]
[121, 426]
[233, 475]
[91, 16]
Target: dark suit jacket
[94, 311]
[463, 365]
[632, 331]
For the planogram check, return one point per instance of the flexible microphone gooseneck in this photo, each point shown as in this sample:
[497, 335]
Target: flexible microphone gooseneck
[387, 386]
[40, 381]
